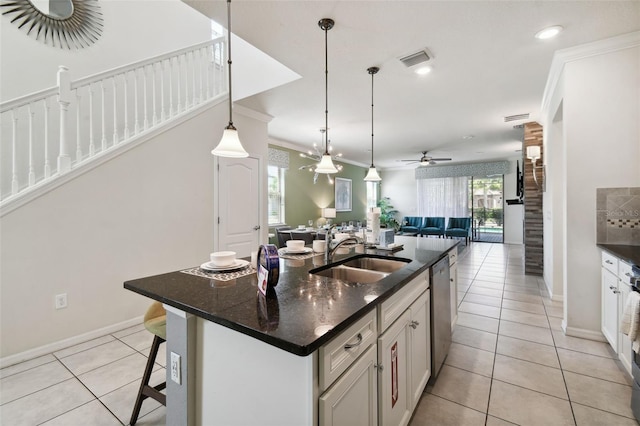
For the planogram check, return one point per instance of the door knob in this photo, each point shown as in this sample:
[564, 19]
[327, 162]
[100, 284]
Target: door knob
[255, 228]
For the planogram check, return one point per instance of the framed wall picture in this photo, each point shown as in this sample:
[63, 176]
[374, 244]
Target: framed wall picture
[343, 195]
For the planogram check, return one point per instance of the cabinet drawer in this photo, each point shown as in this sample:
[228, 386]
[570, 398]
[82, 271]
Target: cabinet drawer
[392, 308]
[610, 262]
[337, 355]
[624, 272]
[453, 256]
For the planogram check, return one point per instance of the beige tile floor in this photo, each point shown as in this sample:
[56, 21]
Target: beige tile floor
[509, 363]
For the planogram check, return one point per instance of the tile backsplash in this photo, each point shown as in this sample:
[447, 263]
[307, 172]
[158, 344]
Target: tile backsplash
[618, 216]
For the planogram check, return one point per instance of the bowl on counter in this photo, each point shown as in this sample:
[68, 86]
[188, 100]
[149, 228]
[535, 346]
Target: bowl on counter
[223, 258]
[295, 245]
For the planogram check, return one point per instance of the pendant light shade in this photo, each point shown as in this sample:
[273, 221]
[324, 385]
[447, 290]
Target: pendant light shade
[326, 163]
[230, 145]
[373, 175]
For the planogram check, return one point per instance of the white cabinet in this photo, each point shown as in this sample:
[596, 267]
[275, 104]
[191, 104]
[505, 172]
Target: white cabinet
[453, 279]
[404, 354]
[394, 401]
[610, 308]
[375, 371]
[420, 346]
[615, 291]
[352, 400]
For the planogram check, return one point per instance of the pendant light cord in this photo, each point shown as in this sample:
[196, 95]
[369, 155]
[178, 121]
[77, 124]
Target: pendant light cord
[372, 73]
[326, 91]
[230, 126]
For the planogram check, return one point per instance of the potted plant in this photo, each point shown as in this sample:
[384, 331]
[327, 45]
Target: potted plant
[387, 214]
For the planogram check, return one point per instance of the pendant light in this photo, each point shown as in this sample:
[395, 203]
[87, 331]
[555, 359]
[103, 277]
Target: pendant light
[230, 145]
[326, 164]
[373, 175]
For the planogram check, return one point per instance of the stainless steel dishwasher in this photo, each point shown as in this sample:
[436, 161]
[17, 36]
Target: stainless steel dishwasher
[440, 315]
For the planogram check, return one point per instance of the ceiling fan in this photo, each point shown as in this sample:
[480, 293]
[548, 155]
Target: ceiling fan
[426, 160]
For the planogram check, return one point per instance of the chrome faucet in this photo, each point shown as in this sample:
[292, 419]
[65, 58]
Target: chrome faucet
[330, 251]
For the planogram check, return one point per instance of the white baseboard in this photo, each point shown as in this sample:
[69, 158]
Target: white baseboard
[550, 295]
[65, 343]
[583, 333]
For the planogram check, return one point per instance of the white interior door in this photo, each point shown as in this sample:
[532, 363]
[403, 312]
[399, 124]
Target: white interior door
[238, 205]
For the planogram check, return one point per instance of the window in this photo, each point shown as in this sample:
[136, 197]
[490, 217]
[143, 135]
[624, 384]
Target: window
[372, 194]
[276, 195]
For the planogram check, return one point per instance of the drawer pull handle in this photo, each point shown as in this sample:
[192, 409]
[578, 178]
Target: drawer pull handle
[608, 261]
[379, 367]
[353, 345]
[616, 291]
[414, 324]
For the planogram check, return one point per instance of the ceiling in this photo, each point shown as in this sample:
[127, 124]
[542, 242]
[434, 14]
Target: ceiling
[486, 65]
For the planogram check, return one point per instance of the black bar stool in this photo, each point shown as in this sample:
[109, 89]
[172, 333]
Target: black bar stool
[155, 321]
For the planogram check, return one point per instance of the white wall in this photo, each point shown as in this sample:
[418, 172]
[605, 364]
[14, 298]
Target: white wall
[600, 140]
[400, 187]
[133, 30]
[143, 213]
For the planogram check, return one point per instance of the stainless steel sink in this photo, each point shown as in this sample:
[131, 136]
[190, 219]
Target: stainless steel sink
[376, 264]
[352, 275]
[362, 269]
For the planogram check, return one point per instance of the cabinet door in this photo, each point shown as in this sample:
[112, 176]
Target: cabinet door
[453, 280]
[610, 308]
[624, 344]
[420, 347]
[352, 400]
[394, 396]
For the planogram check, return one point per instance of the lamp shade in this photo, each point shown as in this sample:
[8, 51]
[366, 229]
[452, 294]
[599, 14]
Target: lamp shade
[372, 175]
[329, 213]
[230, 145]
[533, 152]
[326, 165]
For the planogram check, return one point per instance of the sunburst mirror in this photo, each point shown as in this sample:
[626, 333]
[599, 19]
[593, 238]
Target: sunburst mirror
[61, 23]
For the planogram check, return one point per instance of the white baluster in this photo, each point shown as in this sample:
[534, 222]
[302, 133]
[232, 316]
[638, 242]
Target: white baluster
[32, 171]
[92, 146]
[64, 99]
[208, 70]
[47, 165]
[194, 97]
[200, 62]
[78, 135]
[185, 66]
[179, 76]
[136, 127]
[104, 116]
[153, 90]
[115, 111]
[144, 91]
[163, 109]
[171, 110]
[126, 106]
[14, 157]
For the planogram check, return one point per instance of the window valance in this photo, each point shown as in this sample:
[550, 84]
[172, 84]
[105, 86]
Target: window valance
[278, 158]
[466, 169]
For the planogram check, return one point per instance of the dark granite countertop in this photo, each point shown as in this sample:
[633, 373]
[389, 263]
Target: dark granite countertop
[629, 254]
[305, 311]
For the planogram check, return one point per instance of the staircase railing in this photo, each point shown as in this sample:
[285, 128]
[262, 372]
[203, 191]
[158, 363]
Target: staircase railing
[49, 133]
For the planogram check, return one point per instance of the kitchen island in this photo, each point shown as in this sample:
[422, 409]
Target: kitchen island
[250, 359]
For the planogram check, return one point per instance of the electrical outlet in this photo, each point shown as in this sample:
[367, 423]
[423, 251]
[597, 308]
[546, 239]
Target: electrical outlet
[175, 367]
[61, 301]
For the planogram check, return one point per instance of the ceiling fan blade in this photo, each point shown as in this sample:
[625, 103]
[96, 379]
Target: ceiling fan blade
[440, 159]
[415, 161]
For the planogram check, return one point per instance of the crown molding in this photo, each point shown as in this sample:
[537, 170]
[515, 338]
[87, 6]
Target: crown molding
[564, 56]
[251, 113]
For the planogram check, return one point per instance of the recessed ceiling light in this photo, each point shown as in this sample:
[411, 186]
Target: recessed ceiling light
[423, 70]
[468, 137]
[549, 32]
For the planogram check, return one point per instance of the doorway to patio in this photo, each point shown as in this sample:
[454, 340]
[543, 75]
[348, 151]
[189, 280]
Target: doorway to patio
[486, 205]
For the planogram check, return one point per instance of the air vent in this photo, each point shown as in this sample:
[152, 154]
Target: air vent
[415, 59]
[516, 117]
